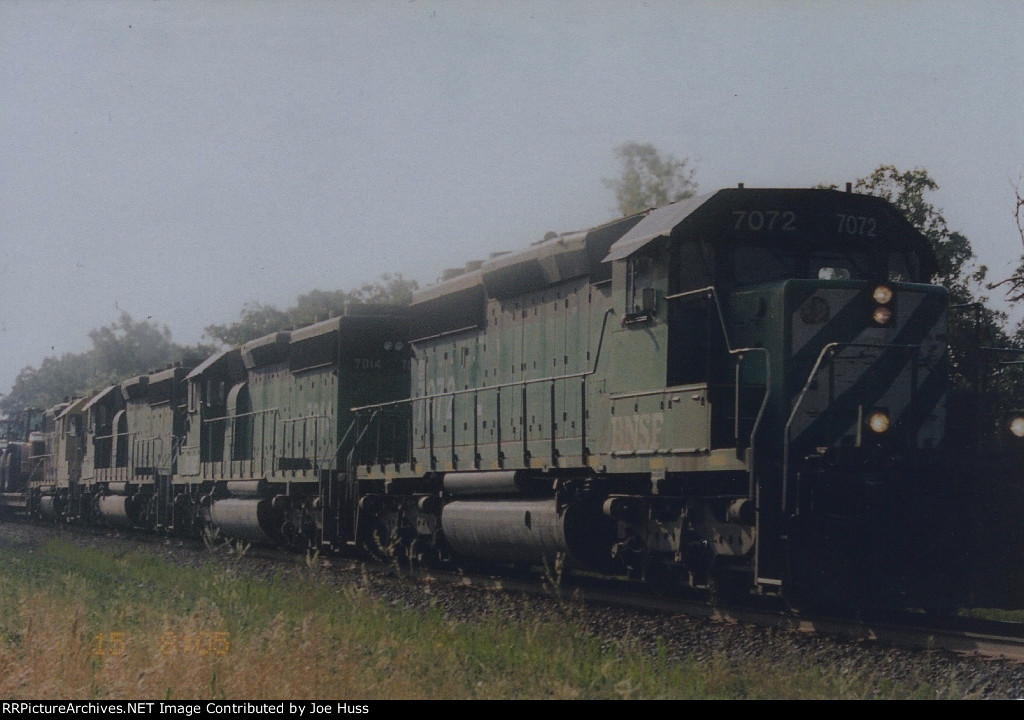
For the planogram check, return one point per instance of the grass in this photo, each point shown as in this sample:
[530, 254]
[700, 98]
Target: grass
[1013, 615]
[87, 624]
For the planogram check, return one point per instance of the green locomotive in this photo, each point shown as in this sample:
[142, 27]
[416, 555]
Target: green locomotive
[267, 423]
[732, 391]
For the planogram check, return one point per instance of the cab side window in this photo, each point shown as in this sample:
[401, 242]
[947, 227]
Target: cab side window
[693, 267]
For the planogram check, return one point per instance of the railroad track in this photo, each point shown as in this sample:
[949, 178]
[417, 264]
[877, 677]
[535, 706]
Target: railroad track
[961, 635]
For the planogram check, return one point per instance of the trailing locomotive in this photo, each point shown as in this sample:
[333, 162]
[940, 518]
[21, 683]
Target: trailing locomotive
[742, 391]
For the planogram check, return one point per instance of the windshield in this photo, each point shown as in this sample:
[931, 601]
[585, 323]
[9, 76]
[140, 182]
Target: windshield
[757, 264]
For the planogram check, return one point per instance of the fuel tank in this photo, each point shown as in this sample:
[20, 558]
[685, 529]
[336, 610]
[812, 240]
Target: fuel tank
[526, 531]
[246, 519]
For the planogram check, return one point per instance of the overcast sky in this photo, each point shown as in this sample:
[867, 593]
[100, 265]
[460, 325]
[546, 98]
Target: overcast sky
[177, 160]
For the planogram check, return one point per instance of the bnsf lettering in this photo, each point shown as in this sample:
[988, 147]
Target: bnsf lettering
[764, 220]
[640, 432]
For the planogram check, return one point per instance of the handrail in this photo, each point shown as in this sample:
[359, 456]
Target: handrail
[115, 439]
[828, 349]
[138, 450]
[37, 463]
[280, 426]
[229, 464]
[355, 443]
[377, 408]
[303, 418]
[712, 293]
[138, 443]
[241, 415]
[316, 431]
[515, 383]
[337, 448]
[115, 435]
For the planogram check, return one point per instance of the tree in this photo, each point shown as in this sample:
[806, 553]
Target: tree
[259, 320]
[126, 347]
[120, 350]
[1015, 283]
[984, 385]
[1012, 379]
[55, 378]
[648, 180]
[907, 190]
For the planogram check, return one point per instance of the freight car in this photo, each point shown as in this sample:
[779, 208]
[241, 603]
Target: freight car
[743, 391]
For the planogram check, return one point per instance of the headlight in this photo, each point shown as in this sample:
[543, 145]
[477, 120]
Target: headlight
[883, 307]
[1017, 426]
[882, 315]
[879, 422]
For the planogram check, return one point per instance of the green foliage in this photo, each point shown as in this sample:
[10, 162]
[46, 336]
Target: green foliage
[259, 320]
[120, 350]
[54, 379]
[985, 387]
[128, 347]
[650, 180]
[907, 190]
[1014, 285]
[1011, 381]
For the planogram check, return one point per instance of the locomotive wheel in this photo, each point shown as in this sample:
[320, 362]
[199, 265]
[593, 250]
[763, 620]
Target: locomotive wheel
[729, 583]
[298, 532]
[422, 553]
[186, 519]
[384, 543]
